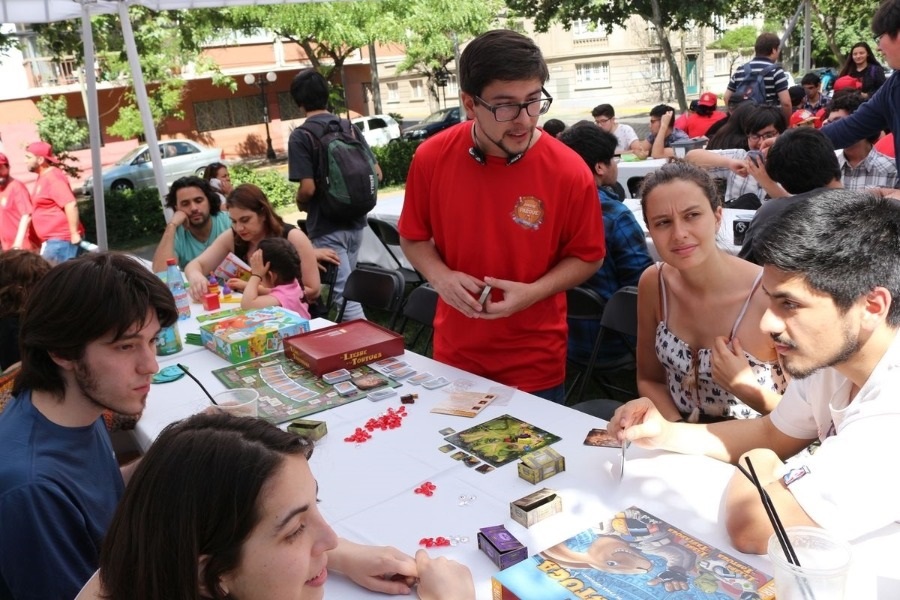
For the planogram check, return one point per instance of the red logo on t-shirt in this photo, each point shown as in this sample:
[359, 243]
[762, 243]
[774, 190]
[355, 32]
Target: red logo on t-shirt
[528, 212]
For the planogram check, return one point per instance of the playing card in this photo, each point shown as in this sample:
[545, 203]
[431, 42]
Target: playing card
[420, 378]
[601, 437]
[433, 384]
[381, 394]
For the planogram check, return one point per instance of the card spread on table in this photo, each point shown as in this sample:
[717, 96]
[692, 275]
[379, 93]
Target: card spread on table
[463, 404]
[502, 440]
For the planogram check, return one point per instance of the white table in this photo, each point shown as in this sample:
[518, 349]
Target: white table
[637, 170]
[367, 489]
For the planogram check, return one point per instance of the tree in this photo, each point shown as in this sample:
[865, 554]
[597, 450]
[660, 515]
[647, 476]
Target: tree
[167, 43]
[666, 16]
[738, 42]
[434, 28]
[61, 131]
[836, 24]
[328, 32]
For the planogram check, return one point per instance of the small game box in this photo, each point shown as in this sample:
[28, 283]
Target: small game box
[314, 430]
[501, 546]
[343, 346]
[535, 507]
[541, 464]
[251, 334]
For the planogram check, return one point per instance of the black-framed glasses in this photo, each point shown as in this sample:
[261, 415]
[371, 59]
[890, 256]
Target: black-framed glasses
[762, 136]
[509, 112]
[878, 38]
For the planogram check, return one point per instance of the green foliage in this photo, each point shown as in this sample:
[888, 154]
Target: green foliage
[740, 39]
[396, 116]
[277, 188]
[167, 42]
[394, 160]
[61, 131]
[130, 215]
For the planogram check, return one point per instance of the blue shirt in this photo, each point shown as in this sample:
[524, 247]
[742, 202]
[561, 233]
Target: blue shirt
[879, 113]
[626, 258]
[59, 487]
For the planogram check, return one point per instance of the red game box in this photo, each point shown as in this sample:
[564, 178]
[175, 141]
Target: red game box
[343, 346]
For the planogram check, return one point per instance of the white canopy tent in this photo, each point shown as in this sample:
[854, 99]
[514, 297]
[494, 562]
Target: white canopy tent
[47, 11]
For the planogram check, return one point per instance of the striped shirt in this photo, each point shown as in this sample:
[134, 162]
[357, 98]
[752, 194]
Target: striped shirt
[876, 170]
[776, 80]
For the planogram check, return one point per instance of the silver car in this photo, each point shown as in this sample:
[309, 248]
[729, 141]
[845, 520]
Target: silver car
[134, 170]
[379, 130]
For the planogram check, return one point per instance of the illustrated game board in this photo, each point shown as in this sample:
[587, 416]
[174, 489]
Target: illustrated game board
[633, 555]
[288, 391]
[502, 440]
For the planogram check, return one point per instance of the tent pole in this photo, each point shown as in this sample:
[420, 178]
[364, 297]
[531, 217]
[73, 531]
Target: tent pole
[93, 117]
[140, 92]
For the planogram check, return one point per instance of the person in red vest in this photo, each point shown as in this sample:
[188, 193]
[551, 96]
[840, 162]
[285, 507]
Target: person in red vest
[55, 215]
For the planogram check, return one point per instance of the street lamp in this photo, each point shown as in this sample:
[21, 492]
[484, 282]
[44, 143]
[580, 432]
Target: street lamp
[261, 81]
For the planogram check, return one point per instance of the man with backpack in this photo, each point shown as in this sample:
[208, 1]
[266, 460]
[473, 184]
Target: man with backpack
[338, 177]
[761, 80]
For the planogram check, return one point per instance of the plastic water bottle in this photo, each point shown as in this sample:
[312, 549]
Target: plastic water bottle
[176, 285]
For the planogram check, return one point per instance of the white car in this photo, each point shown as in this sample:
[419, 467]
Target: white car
[379, 130]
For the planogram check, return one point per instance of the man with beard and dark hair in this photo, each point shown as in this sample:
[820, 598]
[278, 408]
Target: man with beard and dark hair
[831, 273]
[88, 344]
[196, 223]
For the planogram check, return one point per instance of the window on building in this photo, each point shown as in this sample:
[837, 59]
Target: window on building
[659, 69]
[722, 63]
[416, 89]
[393, 92]
[287, 108]
[594, 74]
[452, 85]
[585, 29]
[228, 112]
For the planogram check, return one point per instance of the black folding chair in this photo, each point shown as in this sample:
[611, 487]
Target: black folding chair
[618, 319]
[322, 306]
[374, 287]
[387, 234]
[420, 307]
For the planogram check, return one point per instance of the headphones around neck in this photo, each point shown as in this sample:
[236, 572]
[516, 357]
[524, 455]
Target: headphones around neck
[479, 157]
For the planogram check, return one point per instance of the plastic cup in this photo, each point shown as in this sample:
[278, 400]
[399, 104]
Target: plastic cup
[240, 402]
[824, 560]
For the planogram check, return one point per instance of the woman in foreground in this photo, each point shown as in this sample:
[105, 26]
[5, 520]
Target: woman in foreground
[701, 355]
[225, 507]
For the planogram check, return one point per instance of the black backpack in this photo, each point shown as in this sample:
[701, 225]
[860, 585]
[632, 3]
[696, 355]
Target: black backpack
[751, 86]
[346, 180]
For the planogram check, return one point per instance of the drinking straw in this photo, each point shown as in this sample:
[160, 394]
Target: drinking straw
[205, 391]
[774, 519]
[777, 525]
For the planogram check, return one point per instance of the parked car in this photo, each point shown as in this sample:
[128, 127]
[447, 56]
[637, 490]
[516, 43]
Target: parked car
[379, 130]
[134, 170]
[433, 123]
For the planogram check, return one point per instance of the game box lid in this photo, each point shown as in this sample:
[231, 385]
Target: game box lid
[343, 346]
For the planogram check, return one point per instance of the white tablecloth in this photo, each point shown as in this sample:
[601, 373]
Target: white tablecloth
[367, 489]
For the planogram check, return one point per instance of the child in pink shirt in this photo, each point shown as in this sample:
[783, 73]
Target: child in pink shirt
[273, 282]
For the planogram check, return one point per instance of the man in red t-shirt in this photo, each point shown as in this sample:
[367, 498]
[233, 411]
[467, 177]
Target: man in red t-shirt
[15, 210]
[495, 202]
[55, 214]
[704, 117]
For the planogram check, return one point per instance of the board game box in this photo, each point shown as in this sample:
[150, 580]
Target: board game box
[632, 556]
[288, 391]
[343, 346]
[252, 333]
[502, 440]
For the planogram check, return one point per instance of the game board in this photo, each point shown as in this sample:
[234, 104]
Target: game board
[502, 440]
[288, 391]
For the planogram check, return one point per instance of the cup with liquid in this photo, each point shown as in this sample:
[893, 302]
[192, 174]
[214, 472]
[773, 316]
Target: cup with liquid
[824, 560]
[240, 402]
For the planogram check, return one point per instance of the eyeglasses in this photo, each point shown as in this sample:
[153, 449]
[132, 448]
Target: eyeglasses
[509, 112]
[762, 136]
[878, 38]
[602, 121]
